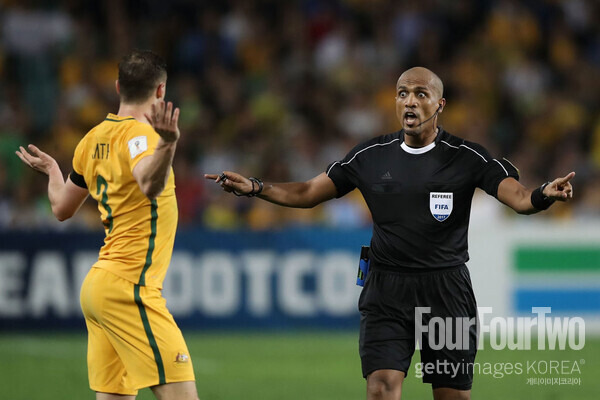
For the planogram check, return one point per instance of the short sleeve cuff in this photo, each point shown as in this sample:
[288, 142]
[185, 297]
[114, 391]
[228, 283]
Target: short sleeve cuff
[336, 174]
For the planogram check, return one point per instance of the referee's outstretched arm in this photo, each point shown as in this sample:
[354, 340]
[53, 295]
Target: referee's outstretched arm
[531, 201]
[292, 194]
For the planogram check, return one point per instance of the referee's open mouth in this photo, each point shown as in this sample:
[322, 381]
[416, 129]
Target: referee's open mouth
[410, 118]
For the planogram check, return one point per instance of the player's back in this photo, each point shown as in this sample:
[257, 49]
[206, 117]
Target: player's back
[139, 232]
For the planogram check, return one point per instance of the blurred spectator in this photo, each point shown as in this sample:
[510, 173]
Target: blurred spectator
[35, 40]
[281, 89]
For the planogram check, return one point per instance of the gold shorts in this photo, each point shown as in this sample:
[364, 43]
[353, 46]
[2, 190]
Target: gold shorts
[133, 340]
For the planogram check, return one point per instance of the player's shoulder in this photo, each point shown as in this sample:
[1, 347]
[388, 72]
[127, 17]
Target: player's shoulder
[470, 149]
[90, 135]
[137, 129]
[115, 128]
[126, 130]
[115, 122]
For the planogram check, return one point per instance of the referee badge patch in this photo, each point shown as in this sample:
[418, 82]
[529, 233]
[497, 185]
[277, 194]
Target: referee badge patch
[440, 205]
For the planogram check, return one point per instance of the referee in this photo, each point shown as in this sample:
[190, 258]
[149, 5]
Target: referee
[418, 184]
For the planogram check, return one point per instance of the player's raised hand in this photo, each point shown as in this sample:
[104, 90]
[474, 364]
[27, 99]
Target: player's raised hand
[560, 189]
[38, 160]
[164, 121]
[232, 182]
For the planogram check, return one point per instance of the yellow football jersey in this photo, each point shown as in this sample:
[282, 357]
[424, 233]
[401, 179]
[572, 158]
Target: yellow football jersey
[139, 232]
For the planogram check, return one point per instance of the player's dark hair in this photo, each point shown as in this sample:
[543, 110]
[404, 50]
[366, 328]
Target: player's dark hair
[139, 73]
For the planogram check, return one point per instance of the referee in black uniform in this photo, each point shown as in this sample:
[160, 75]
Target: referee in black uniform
[418, 184]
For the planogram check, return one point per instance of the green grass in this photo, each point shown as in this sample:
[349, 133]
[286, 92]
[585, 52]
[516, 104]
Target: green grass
[248, 366]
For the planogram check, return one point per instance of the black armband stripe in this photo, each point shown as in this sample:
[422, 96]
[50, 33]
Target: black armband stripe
[78, 179]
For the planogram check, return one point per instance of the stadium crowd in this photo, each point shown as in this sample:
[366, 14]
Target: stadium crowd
[280, 89]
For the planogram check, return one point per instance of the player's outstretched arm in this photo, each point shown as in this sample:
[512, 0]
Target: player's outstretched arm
[65, 197]
[152, 172]
[528, 201]
[292, 194]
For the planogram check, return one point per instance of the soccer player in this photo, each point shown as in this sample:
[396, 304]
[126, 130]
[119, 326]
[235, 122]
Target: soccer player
[125, 164]
[418, 184]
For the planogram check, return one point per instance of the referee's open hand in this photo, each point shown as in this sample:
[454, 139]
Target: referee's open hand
[231, 181]
[560, 189]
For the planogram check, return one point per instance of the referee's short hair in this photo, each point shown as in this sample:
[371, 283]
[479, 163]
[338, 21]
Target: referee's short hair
[139, 73]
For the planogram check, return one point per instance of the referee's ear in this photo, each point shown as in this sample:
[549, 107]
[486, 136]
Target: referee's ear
[442, 104]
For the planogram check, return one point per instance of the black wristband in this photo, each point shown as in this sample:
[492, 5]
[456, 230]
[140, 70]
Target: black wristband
[538, 200]
[253, 192]
[260, 185]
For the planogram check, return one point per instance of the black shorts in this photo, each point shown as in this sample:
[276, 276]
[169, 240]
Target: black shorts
[388, 333]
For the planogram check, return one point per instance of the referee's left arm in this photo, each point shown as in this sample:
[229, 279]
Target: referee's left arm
[531, 201]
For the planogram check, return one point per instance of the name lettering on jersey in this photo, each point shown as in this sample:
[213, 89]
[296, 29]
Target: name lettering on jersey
[440, 205]
[137, 145]
[101, 152]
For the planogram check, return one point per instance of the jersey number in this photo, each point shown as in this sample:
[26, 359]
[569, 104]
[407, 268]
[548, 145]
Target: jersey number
[108, 222]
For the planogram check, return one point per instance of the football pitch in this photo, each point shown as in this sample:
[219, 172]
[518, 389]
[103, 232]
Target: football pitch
[295, 365]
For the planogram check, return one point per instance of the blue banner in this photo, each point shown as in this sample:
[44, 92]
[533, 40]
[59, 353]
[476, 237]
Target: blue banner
[299, 278]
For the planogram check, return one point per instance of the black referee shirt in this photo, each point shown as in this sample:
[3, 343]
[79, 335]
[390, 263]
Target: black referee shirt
[420, 199]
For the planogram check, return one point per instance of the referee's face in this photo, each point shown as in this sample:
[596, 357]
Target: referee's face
[417, 101]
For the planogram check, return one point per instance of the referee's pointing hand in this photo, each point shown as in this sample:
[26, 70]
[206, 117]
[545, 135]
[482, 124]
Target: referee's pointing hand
[231, 181]
[560, 189]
